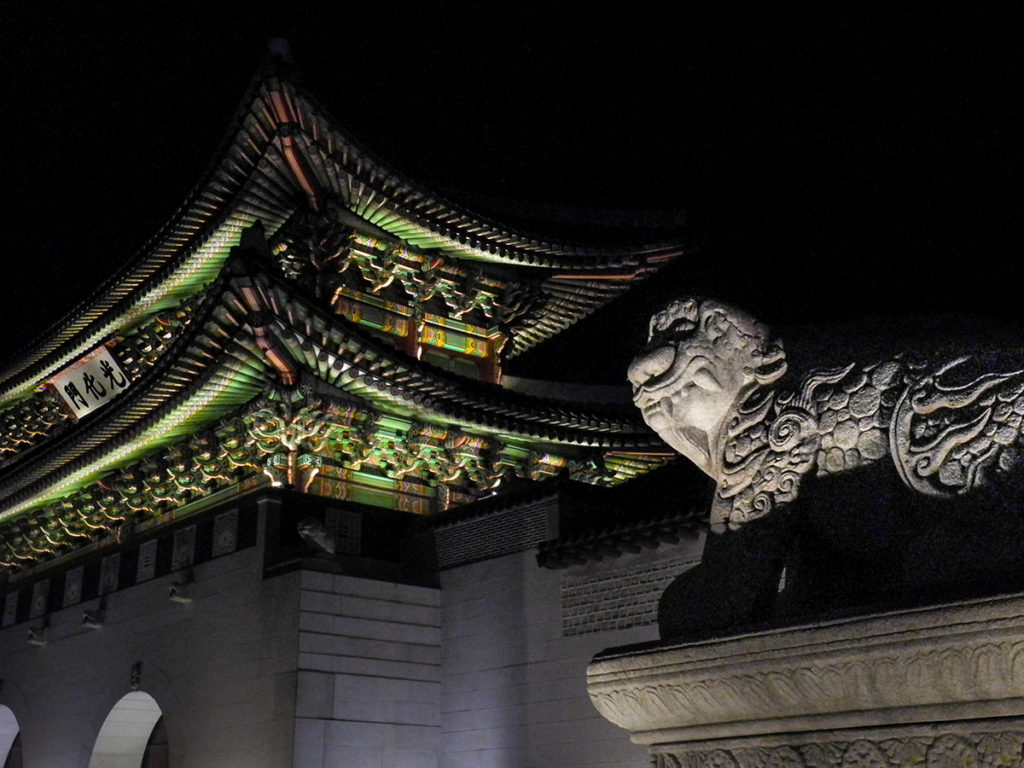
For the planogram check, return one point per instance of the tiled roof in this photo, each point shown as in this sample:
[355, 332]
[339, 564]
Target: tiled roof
[285, 153]
[234, 346]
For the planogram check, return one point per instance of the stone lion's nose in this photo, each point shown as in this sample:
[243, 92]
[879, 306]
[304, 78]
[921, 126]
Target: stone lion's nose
[650, 365]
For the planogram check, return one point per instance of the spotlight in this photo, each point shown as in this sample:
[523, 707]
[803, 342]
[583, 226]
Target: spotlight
[180, 593]
[181, 590]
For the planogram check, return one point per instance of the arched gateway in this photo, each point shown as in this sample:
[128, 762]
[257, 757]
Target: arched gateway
[126, 737]
[10, 742]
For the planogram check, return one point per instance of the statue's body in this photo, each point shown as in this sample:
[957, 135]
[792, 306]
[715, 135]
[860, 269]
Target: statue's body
[711, 382]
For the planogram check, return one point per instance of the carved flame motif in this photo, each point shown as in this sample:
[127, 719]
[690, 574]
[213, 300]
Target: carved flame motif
[949, 437]
[704, 384]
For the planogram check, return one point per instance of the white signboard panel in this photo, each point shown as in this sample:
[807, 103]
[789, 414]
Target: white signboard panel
[225, 533]
[73, 586]
[184, 552]
[110, 572]
[147, 561]
[91, 382]
[40, 598]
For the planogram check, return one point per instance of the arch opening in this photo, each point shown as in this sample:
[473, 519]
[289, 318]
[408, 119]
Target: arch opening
[10, 741]
[127, 732]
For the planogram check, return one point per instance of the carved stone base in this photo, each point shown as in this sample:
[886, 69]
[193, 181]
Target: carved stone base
[986, 744]
[932, 686]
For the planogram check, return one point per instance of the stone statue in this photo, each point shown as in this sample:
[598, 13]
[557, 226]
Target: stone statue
[713, 383]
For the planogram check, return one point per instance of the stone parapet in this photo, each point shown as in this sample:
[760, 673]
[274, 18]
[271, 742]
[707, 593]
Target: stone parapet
[940, 667]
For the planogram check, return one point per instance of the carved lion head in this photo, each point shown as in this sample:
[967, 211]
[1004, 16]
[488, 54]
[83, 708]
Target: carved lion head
[701, 360]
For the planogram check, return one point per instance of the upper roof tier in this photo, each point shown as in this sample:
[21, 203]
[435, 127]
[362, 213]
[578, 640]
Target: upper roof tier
[286, 156]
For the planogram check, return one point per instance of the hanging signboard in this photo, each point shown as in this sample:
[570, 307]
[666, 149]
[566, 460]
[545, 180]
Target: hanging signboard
[91, 382]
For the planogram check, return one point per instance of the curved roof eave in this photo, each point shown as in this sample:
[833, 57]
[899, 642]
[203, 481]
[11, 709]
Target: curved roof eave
[284, 151]
[216, 363]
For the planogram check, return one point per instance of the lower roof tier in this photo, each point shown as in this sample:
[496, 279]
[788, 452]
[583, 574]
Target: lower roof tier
[262, 385]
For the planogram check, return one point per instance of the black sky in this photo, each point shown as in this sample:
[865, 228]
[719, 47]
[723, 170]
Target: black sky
[834, 167]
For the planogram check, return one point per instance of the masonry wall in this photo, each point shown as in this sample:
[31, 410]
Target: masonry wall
[222, 668]
[369, 677]
[514, 685]
[316, 669]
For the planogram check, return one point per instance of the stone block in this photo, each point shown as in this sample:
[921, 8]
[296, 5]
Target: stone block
[358, 757]
[387, 630]
[422, 737]
[489, 757]
[485, 718]
[314, 694]
[320, 602]
[317, 581]
[316, 622]
[428, 596]
[369, 648]
[369, 588]
[462, 617]
[385, 668]
[387, 689]
[485, 739]
[385, 711]
[317, 662]
[359, 734]
[285, 694]
[410, 758]
[386, 610]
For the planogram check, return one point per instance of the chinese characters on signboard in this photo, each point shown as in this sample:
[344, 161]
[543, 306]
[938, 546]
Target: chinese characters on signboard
[90, 382]
[146, 568]
[73, 586]
[184, 552]
[225, 533]
[40, 599]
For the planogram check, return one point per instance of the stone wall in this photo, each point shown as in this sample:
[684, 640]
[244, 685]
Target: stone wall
[514, 687]
[498, 533]
[315, 669]
[369, 674]
[221, 668]
[623, 592]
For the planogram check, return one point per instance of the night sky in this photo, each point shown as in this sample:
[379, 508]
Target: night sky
[830, 168]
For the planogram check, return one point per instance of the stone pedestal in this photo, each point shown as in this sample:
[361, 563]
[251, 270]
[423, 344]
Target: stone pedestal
[941, 686]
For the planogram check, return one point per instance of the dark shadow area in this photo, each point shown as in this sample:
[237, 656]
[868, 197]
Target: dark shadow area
[852, 544]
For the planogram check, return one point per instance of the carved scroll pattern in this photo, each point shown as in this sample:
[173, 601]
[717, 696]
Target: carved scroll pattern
[835, 420]
[957, 429]
[949, 431]
[999, 749]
